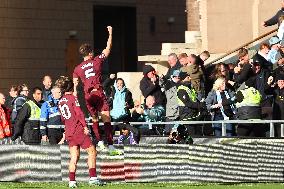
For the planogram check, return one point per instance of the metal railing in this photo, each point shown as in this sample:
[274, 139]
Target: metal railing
[242, 46]
[223, 122]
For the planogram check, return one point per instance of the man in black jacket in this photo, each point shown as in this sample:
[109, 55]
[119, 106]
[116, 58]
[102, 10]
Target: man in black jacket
[262, 55]
[277, 90]
[274, 20]
[244, 69]
[27, 122]
[149, 85]
[174, 65]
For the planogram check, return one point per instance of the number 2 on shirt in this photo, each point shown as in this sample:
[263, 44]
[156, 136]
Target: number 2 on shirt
[89, 73]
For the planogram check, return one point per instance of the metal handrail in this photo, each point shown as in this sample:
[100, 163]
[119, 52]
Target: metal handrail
[242, 46]
[223, 122]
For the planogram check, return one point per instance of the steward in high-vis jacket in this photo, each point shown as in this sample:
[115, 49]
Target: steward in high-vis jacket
[189, 106]
[27, 122]
[248, 107]
[51, 126]
[248, 104]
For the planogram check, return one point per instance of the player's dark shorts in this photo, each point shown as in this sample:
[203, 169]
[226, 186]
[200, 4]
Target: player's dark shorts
[79, 139]
[96, 101]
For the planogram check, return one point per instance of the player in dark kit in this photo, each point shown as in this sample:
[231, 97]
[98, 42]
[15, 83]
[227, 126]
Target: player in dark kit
[76, 132]
[90, 72]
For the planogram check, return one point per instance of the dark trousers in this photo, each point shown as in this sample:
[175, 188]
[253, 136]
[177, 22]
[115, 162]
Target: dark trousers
[55, 135]
[252, 130]
[230, 128]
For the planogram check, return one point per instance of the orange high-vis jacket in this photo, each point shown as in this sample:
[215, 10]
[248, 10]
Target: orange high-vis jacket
[5, 123]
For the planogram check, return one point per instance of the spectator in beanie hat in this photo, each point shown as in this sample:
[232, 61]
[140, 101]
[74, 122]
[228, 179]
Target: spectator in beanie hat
[149, 85]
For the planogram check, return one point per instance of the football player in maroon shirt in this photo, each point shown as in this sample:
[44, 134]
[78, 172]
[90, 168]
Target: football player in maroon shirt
[76, 132]
[90, 73]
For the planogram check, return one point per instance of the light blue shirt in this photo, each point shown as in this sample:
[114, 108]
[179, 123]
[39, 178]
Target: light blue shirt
[271, 57]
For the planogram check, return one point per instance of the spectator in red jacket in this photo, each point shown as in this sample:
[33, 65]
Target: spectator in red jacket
[5, 123]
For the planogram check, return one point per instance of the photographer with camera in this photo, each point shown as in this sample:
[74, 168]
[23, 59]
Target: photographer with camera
[180, 135]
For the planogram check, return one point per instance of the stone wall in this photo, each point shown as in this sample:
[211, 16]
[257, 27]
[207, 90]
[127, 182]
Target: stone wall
[227, 24]
[34, 33]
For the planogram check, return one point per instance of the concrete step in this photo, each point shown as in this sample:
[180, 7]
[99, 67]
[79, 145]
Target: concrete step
[178, 48]
[153, 58]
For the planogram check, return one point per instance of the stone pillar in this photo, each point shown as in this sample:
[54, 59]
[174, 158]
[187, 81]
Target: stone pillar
[193, 17]
[255, 19]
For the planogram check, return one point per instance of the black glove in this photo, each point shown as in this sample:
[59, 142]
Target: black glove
[202, 106]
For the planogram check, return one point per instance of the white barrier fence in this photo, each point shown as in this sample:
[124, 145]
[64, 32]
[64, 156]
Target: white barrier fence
[223, 122]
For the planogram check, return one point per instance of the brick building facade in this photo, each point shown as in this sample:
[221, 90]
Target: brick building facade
[39, 37]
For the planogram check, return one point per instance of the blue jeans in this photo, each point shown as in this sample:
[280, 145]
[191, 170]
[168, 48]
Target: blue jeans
[218, 126]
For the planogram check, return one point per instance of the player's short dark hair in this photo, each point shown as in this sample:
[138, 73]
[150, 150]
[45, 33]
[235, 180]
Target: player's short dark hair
[85, 49]
[65, 84]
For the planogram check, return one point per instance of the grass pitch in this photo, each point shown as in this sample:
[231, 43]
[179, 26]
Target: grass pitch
[10, 185]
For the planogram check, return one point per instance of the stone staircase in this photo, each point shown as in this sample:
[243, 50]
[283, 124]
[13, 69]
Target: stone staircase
[192, 45]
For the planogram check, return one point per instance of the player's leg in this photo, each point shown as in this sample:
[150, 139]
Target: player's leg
[74, 155]
[91, 103]
[105, 115]
[92, 166]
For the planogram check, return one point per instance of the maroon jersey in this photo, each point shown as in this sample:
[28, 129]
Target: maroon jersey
[90, 72]
[71, 114]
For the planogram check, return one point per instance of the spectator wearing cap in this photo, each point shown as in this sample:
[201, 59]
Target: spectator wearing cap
[280, 68]
[260, 79]
[274, 43]
[149, 85]
[277, 90]
[262, 55]
[274, 20]
[173, 63]
[172, 111]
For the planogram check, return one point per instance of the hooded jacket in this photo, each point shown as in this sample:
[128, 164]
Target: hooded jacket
[120, 101]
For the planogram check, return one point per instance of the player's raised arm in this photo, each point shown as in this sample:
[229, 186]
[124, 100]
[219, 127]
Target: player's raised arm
[76, 82]
[106, 51]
